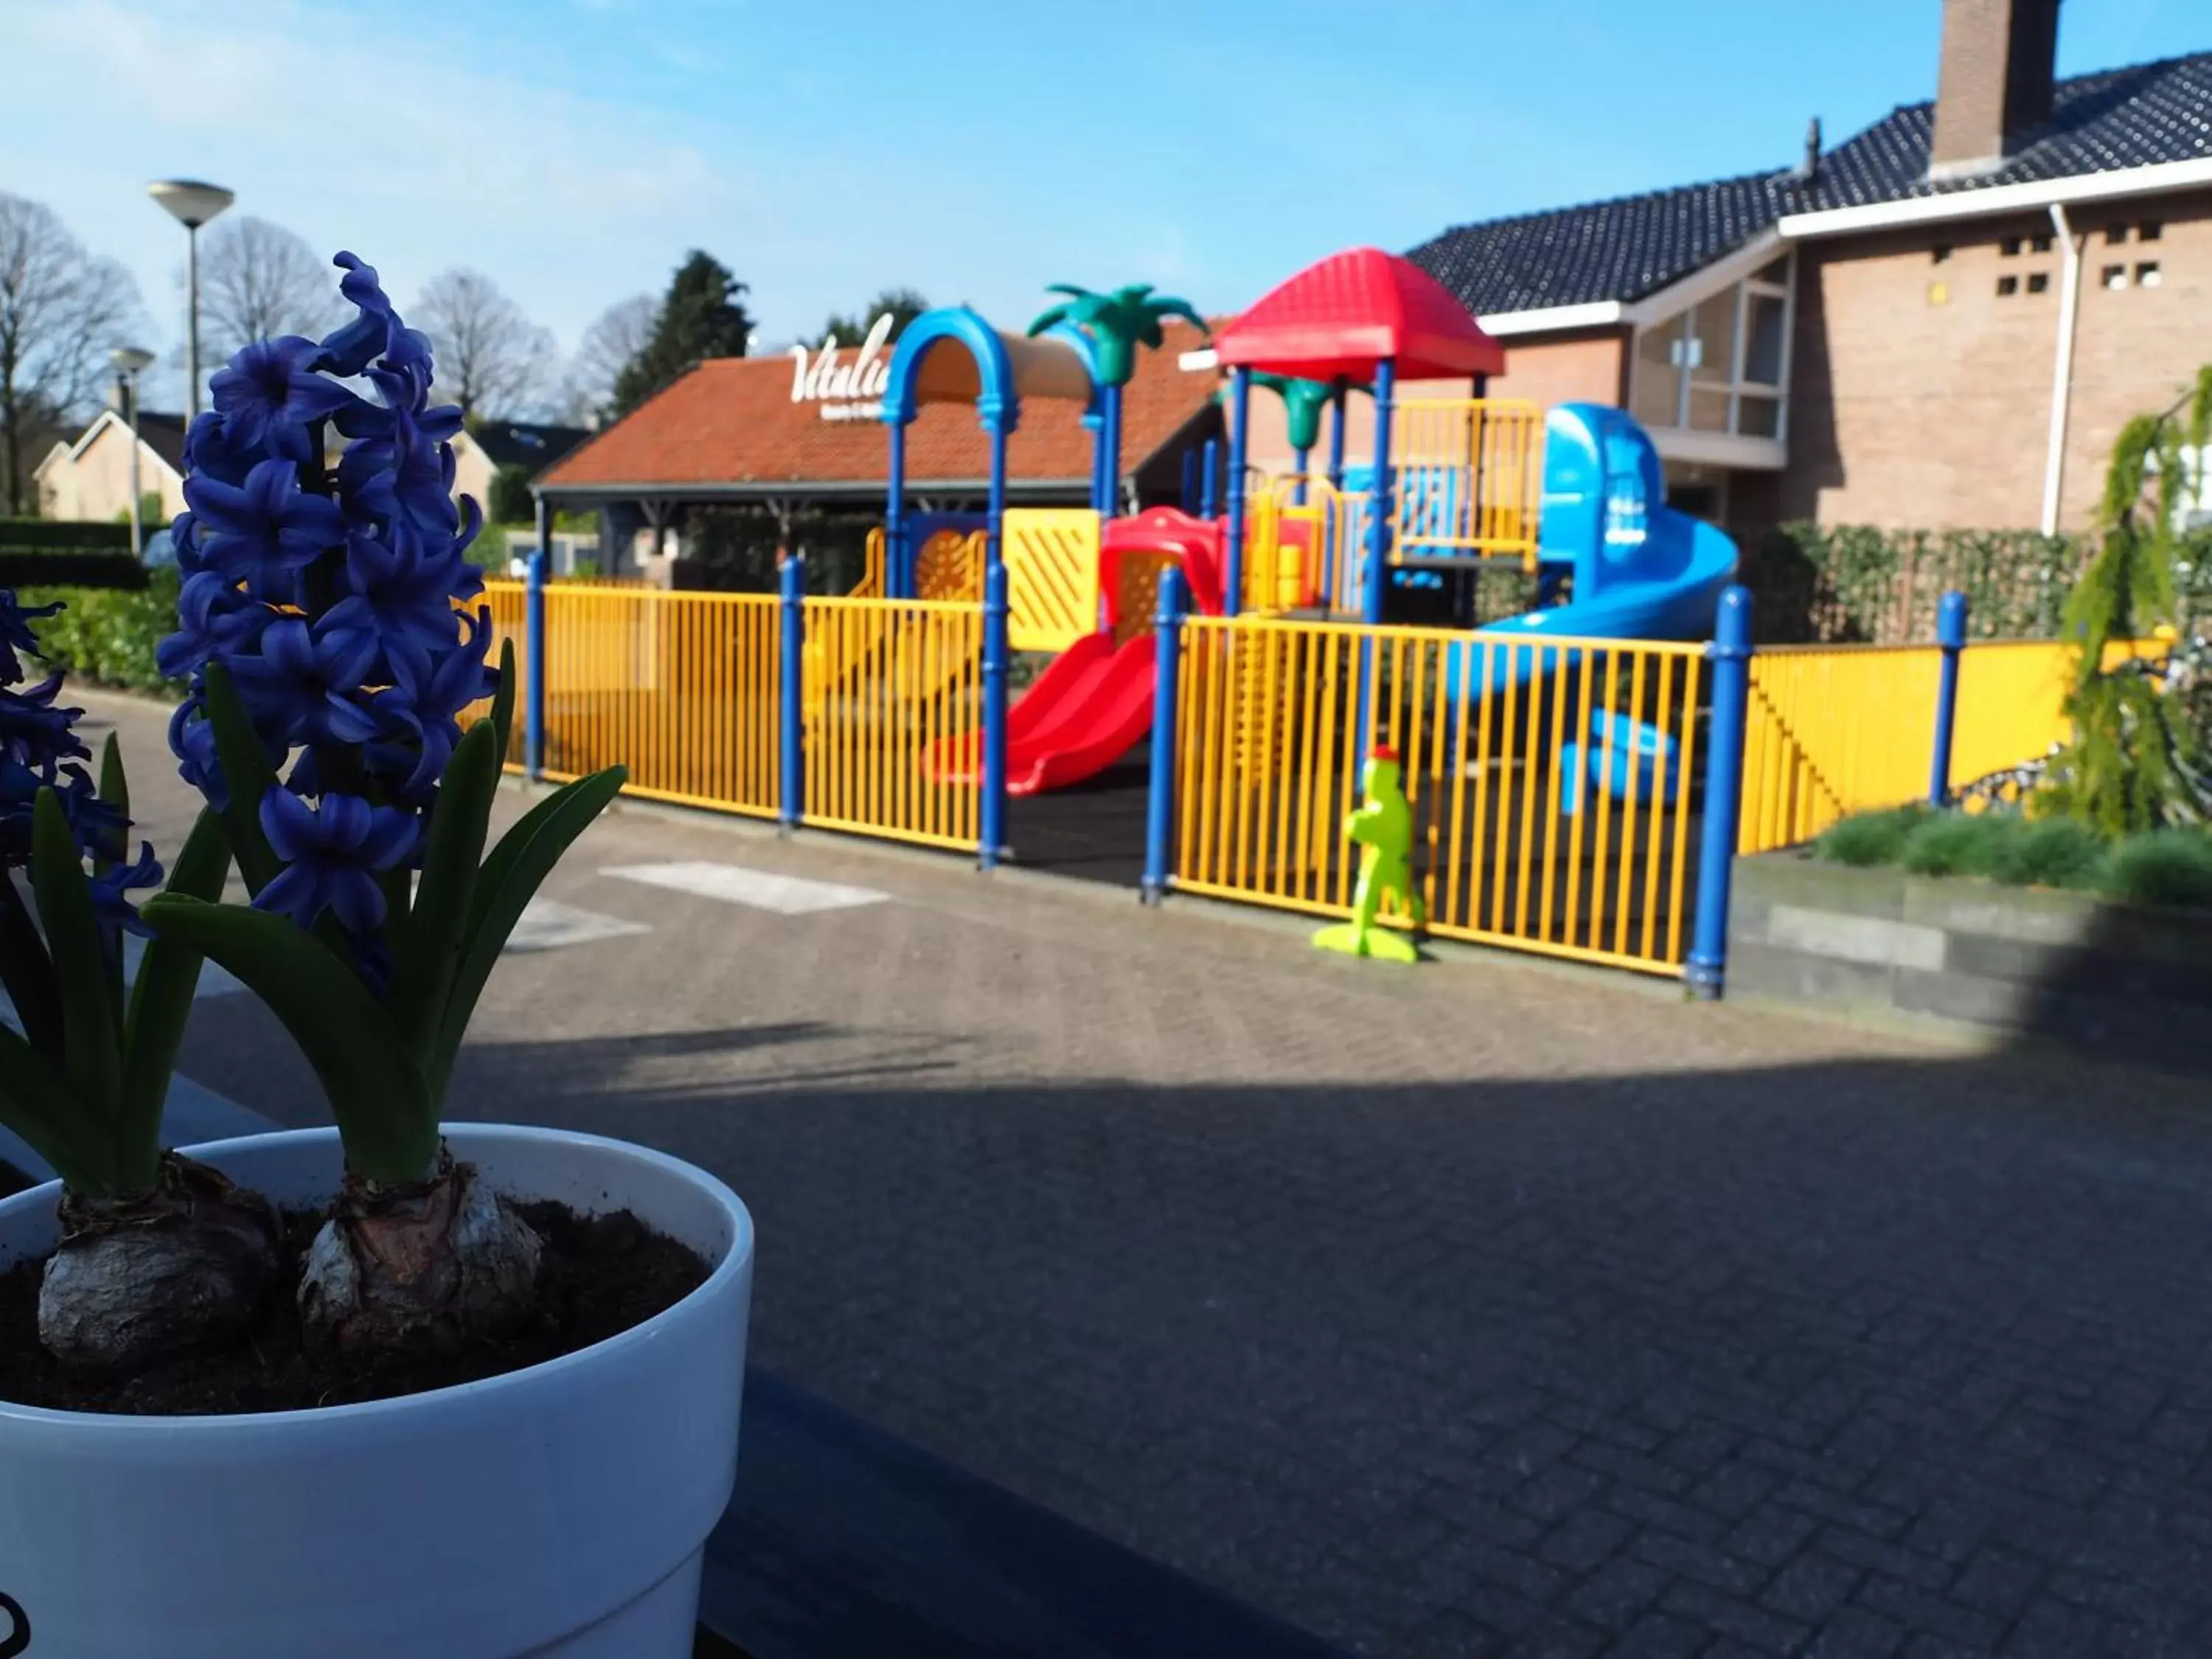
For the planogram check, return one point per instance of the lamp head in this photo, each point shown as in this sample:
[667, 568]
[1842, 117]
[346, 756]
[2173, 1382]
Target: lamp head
[191, 202]
[129, 360]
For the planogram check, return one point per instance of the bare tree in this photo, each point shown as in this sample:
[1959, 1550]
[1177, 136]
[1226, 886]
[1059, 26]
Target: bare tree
[610, 345]
[492, 360]
[62, 310]
[258, 281]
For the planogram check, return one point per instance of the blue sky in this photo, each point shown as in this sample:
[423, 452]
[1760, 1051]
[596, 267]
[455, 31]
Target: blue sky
[574, 148]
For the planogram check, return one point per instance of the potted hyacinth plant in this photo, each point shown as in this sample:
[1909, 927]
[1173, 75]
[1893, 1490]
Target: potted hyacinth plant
[525, 1457]
[157, 1252]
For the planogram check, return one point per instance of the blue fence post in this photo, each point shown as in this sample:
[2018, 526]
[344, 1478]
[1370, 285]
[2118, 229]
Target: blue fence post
[1731, 655]
[791, 733]
[533, 650]
[993, 812]
[1159, 801]
[1951, 634]
[1240, 412]
[1209, 479]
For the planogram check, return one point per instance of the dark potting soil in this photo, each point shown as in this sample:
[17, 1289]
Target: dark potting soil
[602, 1274]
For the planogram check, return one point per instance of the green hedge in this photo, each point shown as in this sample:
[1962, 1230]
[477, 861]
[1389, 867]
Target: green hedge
[1858, 583]
[106, 635]
[69, 568]
[72, 535]
[2162, 867]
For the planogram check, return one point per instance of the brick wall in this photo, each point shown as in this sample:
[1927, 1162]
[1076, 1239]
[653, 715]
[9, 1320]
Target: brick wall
[1921, 396]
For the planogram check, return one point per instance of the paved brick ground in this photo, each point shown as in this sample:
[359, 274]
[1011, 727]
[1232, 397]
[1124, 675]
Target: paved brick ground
[1475, 1310]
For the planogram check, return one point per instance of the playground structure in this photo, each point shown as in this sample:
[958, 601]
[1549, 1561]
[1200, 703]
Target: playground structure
[1558, 765]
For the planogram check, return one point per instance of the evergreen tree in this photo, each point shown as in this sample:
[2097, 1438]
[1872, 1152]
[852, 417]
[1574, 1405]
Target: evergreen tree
[2135, 762]
[702, 317]
[902, 303]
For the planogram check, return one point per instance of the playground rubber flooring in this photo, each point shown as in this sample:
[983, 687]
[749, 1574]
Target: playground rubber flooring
[1477, 1308]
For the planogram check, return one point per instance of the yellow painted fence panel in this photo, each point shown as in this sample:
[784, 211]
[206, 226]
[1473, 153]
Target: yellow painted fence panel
[898, 679]
[682, 688]
[1516, 844]
[1835, 730]
[1052, 576]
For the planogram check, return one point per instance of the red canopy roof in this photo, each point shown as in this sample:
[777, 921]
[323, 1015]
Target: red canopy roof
[1352, 309]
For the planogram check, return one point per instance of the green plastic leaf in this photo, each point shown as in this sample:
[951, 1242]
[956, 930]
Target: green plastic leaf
[376, 1091]
[437, 926]
[92, 1058]
[35, 1102]
[246, 770]
[161, 1003]
[526, 855]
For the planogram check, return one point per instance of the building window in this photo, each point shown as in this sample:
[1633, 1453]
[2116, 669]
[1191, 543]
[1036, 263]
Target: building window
[2007, 287]
[2146, 274]
[2116, 276]
[1723, 365]
[2149, 231]
[2039, 244]
[2038, 281]
[1939, 254]
[2116, 234]
[2009, 247]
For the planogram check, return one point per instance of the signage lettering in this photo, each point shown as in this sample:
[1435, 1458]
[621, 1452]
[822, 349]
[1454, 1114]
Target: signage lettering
[846, 391]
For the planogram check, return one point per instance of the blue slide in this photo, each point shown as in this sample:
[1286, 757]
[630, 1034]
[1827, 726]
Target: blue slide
[1640, 570]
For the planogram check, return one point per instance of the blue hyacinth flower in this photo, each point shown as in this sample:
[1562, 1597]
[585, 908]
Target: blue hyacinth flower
[304, 686]
[333, 855]
[261, 531]
[270, 396]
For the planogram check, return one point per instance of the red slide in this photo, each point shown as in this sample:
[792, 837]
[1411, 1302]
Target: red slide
[1091, 704]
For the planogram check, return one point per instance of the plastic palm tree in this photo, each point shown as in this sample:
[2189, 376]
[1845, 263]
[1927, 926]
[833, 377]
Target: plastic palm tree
[1118, 323]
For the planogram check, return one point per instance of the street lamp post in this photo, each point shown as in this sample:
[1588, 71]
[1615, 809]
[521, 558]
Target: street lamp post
[129, 361]
[191, 204]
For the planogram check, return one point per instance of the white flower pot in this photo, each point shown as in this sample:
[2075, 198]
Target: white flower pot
[558, 1510]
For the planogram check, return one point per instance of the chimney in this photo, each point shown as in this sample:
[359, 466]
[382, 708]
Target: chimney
[1808, 170]
[1999, 60]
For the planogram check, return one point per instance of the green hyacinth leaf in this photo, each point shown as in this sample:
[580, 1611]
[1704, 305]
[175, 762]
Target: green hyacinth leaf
[437, 926]
[92, 1057]
[376, 1091]
[526, 855]
[246, 771]
[161, 1003]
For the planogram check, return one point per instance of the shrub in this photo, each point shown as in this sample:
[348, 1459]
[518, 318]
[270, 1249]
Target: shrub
[2166, 866]
[73, 535]
[2047, 853]
[67, 567]
[108, 634]
[1869, 839]
[1956, 844]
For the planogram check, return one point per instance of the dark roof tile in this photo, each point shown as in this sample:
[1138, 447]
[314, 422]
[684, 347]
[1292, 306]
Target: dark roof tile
[1631, 246]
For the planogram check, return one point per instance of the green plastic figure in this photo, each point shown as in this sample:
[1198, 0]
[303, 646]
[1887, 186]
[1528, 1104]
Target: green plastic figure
[1382, 825]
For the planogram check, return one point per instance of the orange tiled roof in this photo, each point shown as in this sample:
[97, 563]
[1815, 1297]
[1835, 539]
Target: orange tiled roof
[731, 420]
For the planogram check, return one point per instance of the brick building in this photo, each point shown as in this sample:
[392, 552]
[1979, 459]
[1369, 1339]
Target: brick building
[1943, 321]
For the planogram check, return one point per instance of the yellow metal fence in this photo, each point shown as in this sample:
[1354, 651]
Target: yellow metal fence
[682, 688]
[900, 685]
[1551, 780]
[1834, 730]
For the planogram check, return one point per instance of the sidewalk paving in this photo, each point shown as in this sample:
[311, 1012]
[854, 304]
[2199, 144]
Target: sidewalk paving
[1477, 1308]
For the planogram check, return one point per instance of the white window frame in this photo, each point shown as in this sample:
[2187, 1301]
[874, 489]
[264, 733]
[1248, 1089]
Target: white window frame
[1738, 388]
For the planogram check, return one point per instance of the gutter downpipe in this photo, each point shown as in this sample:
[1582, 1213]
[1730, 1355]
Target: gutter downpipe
[2062, 379]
